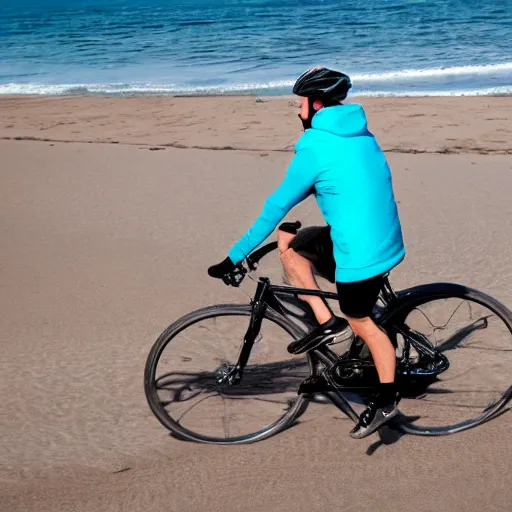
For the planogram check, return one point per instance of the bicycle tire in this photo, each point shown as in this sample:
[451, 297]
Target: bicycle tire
[407, 302]
[283, 422]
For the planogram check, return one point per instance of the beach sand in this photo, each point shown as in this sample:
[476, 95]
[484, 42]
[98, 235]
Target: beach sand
[403, 125]
[106, 240]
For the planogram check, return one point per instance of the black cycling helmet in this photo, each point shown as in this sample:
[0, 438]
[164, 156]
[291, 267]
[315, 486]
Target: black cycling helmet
[323, 83]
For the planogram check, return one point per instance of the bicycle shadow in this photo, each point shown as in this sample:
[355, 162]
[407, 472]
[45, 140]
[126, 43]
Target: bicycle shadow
[262, 379]
[270, 382]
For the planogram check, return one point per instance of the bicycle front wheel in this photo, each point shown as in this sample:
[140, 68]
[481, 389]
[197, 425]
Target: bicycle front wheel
[187, 362]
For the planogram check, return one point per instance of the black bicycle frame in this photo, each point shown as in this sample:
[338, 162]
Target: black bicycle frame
[265, 296]
[259, 306]
[268, 295]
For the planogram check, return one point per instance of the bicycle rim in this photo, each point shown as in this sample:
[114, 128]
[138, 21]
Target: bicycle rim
[475, 337]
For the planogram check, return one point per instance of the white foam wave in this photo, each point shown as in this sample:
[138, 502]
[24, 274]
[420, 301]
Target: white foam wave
[136, 88]
[78, 89]
[489, 91]
[361, 79]
[276, 87]
[433, 72]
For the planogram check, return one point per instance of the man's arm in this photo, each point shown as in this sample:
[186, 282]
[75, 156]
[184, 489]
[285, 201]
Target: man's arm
[296, 186]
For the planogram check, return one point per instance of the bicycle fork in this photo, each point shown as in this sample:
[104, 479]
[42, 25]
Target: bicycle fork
[259, 306]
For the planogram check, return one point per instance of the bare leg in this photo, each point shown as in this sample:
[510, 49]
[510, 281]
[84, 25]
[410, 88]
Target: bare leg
[300, 273]
[380, 346]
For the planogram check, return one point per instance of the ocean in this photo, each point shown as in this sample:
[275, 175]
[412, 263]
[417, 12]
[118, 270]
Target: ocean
[131, 47]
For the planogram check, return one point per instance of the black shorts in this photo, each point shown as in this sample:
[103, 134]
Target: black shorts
[356, 299]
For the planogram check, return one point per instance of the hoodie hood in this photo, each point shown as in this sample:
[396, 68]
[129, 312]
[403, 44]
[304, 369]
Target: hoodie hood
[342, 120]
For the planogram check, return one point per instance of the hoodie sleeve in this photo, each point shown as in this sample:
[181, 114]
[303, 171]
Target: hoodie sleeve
[296, 186]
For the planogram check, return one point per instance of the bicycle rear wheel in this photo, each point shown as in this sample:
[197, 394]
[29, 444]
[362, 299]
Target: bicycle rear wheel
[185, 363]
[474, 332]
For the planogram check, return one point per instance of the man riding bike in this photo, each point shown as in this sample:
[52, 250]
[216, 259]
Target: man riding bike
[339, 161]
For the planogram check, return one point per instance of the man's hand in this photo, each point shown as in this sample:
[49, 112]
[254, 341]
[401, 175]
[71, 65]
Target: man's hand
[221, 269]
[226, 270]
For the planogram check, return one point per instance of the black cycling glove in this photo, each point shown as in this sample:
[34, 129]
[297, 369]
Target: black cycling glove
[221, 269]
[231, 274]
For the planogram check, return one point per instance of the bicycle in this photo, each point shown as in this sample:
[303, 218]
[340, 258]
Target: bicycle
[438, 366]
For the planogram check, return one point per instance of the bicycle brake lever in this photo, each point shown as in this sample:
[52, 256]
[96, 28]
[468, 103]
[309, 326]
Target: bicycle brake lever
[251, 264]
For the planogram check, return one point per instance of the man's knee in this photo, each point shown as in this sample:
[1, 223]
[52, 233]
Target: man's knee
[283, 240]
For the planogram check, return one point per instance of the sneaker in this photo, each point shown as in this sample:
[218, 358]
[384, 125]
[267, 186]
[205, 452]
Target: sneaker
[334, 330]
[372, 418]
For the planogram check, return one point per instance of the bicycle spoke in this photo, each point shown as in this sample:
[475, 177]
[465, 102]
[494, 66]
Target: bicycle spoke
[191, 378]
[225, 422]
[478, 345]
[192, 407]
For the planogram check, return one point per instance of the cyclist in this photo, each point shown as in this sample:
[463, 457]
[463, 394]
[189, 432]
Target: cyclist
[339, 161]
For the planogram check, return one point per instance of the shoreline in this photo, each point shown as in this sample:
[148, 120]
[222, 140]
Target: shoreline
[254, 94]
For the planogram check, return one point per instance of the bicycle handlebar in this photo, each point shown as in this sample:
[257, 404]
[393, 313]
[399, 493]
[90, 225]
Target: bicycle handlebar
[255, 256]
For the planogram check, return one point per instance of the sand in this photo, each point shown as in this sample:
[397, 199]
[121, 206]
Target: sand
[404, 125]
[104, 245]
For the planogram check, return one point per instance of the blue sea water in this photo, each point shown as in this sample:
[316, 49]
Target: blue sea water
[389, 47]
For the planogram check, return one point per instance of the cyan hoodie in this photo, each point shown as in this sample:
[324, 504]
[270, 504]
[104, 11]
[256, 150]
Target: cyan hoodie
[340, 162]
